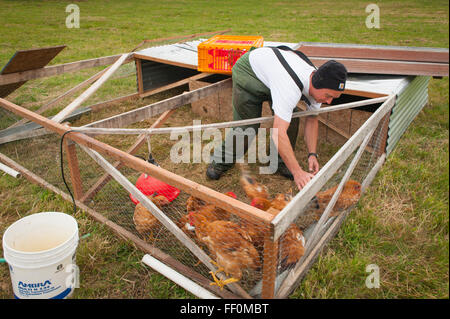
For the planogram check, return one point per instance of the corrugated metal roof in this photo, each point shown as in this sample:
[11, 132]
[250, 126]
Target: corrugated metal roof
[410, 102]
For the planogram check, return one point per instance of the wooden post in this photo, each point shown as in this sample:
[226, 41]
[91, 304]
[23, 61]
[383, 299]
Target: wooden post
[59, 69]
[66, 94]
[270, 265]
[74, 168]
[94, 87]
[139, 75]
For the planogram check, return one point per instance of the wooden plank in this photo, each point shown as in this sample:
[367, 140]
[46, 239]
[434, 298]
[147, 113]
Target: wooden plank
[25, 60]
[158, 214]
[232, 205]
[101, 105]
[406, 54]
[59, 69]
[120, 231]
[66, 94]
[93, 129]
[102, 181]
[370, 95]
[31, 129]
[283, 219]
[24, 135]
[157, 108]
[165, 61]
[388, 67]
[91, 90]
[174, 85]
[270, 265]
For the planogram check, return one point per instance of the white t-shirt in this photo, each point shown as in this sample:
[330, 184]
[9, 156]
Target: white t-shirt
[285, 92]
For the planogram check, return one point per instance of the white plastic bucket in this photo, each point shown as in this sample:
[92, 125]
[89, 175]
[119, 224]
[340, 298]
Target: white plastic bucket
[40, 251]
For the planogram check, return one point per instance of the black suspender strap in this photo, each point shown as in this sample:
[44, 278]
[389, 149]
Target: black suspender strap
[299, 53]
[289, 70]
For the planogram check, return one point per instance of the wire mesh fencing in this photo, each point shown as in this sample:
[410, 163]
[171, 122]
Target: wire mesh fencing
[240, 246]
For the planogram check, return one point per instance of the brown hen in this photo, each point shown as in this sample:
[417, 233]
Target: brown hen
[144, 221]
[348, 197]
[229, 245]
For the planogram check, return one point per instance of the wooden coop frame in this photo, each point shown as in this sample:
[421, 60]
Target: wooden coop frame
[275, 226]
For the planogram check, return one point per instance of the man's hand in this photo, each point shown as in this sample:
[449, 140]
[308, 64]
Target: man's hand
[302, 178]
[313, 165]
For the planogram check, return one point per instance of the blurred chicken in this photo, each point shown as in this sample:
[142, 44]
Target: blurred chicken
[270, 206]
[281, 200]
[252, 188]
[229, 245]
[291, 243]
[144, 221]
[348, 197]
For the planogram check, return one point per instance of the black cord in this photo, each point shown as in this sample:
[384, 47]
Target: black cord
[150, 159]
[62, 169]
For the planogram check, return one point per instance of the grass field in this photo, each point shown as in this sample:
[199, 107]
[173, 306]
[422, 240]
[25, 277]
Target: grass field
[402, 222]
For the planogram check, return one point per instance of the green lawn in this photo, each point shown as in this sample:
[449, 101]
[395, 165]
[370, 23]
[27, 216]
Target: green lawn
[401, 224]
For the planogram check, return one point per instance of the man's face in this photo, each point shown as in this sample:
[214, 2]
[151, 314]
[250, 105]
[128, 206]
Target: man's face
[326, 95]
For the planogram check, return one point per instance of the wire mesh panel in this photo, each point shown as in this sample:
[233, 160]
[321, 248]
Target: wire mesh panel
[239, 244]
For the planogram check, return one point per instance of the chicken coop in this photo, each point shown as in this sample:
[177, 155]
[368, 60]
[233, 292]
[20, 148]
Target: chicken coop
[247, 235]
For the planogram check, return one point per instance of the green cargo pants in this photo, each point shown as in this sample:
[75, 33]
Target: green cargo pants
[248, 95]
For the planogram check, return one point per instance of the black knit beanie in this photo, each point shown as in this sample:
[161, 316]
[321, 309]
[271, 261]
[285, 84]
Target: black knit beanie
[331, 75]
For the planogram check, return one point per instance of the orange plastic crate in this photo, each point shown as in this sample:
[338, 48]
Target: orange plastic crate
[220, 53]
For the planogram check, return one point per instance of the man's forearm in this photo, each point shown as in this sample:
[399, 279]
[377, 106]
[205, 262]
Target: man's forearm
[287, 153]
[311, 133]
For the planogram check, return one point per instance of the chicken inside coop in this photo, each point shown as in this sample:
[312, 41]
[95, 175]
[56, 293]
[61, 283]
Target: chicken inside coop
[292, 243]
[144, 221]
[235, 244]
[349, 196]
[229, 245]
